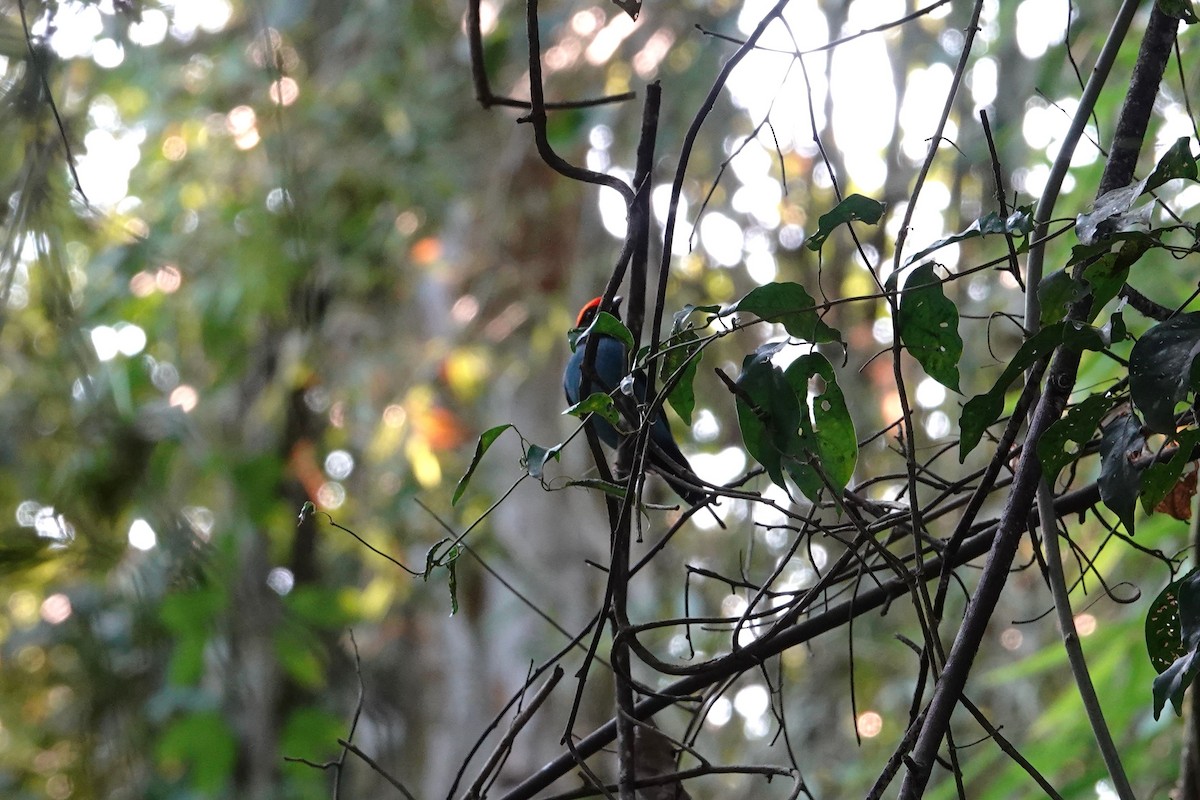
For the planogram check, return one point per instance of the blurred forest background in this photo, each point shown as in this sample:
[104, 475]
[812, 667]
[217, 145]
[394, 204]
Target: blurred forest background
[296, 260]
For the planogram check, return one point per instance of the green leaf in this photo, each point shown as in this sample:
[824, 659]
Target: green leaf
[451, 564]
[1160, 477]
[1113, 212]
[1178, 161]
[613, 489]
[1121, 442]
[773, 411]
[984, 409]
[1173, 681]
[485, 441]
[768, 411]
[1018, 223]
[433, 557]
[1080, 336]
[597, 403]
[854, 207]
[1108, 274]
[1180, 9]
[1077, 427]
[536, 458]
[1160, 366]
[604, 323]
[928, 323]
[1114, 330]
[827, 441]
[682, 314]
[204, 743]
[1164, 635]
[791, 306]
[682, 356]
[1056, 293]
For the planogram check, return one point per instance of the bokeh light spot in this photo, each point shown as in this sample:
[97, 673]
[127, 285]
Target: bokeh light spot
[56, 608]
[869, 724]
[141, 535]
[183, 397]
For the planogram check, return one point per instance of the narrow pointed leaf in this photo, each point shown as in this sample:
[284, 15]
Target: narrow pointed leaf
[928, 323]
[485, 441]
[605, 486]
[682, 356]
[451, 563]
[1018, 223]
[1121, 442]
[1108, 274]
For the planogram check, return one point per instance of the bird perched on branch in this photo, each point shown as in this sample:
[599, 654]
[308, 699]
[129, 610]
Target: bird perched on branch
[611, 367]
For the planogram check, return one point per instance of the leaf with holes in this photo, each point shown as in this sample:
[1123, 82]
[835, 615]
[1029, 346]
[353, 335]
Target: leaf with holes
[984, 409]
[928, 323]
[827, 446]
[1177, 162]
[1076, 427]
[1180, 9]
[1056, 293]
[1160, 366]
[1179, 637]
[1164, 639]
[1121, 443]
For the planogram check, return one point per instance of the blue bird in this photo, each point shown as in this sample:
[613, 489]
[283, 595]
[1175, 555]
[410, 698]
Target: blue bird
[663, 456]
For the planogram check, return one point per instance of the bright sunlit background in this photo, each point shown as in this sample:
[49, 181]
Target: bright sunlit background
[310, 268]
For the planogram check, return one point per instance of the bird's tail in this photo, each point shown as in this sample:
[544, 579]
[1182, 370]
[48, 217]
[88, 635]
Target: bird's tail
[673, 467]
